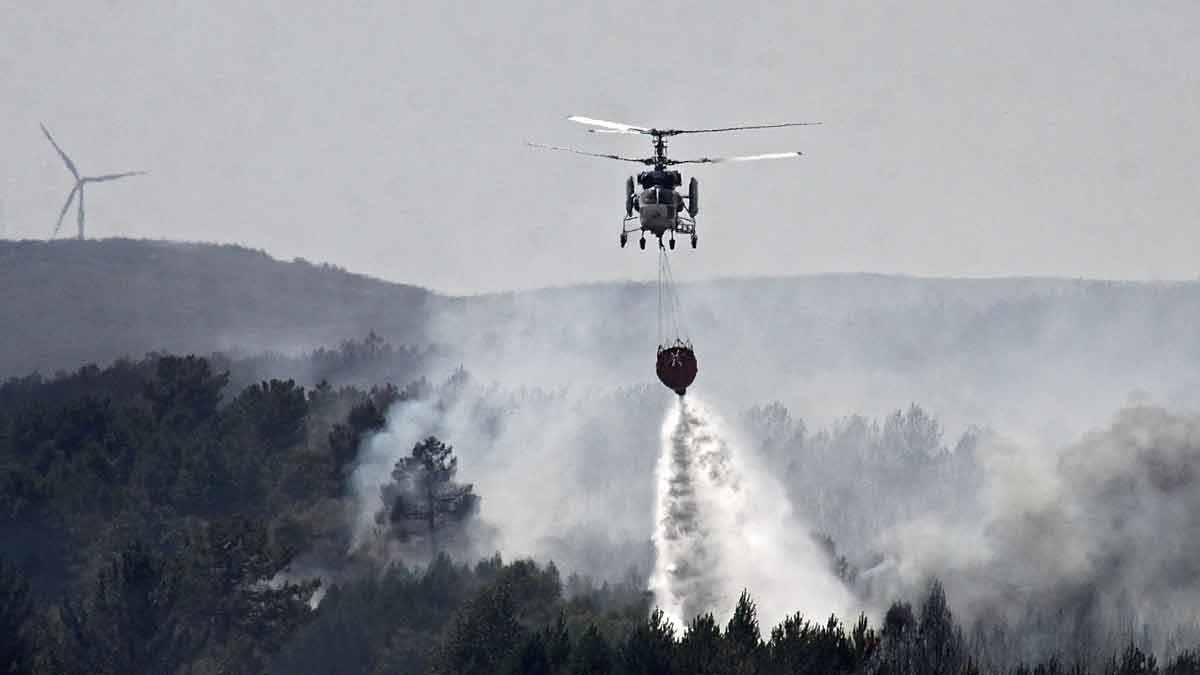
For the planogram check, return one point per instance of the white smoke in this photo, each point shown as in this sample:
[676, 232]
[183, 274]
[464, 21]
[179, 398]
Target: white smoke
[724, 525]
[1077, 548]
[563, 476]
[408, 423]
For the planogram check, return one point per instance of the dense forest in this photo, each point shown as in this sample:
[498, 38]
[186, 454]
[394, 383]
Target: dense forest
[174, 514]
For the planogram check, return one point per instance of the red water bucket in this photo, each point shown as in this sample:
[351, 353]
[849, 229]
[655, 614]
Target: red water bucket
[676, 366]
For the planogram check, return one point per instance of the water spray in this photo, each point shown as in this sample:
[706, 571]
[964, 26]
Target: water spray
[723, 525]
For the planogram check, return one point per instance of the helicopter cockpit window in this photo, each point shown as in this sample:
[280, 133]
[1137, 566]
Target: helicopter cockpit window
[666, 197]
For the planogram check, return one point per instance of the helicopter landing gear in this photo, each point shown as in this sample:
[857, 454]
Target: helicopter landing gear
[695, 239]
[642, 243]
[624, 239]
[671, 243]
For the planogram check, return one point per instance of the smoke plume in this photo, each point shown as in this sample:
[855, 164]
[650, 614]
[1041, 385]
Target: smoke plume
[563, 476]
[1079, 549]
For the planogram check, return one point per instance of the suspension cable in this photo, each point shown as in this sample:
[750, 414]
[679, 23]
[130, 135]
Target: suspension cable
[670, 323]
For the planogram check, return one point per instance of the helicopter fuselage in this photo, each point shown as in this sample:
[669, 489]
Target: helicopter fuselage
[658, 209]
[658, 205]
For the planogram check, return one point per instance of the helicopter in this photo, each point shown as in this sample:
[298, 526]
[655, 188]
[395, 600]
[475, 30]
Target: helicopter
[660, 208]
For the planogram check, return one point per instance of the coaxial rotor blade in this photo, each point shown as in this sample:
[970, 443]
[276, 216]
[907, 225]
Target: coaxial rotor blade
[590, 154]
[66, 207]
[742, 158]
[676, 132]
[607, 127]
[67, 160]
[113, 176]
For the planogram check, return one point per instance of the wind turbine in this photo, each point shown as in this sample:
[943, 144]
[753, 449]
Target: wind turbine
[80, 181]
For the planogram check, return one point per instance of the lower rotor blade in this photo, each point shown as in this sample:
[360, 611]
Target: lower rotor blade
[589, 154]
[742, 158]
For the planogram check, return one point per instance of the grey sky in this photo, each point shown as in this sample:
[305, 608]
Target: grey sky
[1018, 138]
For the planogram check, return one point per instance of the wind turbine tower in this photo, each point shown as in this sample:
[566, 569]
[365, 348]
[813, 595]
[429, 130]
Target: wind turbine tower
[80, 181]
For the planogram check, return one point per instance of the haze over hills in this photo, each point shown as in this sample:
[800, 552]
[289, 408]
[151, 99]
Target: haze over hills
[978, 351]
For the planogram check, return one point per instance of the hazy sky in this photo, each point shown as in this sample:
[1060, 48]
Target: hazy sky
[1053, 138]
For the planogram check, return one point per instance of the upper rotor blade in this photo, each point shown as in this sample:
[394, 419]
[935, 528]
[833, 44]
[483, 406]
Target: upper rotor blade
[113, 176]
[676, 132]
[590, 154]
[741, 158]
[65, 208]
[609, 127]
[70, 164]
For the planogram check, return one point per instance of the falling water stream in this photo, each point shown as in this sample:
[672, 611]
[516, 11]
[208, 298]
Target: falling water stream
[723, 525]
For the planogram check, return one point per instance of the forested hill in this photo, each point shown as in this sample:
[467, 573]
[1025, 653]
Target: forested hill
[66, 303]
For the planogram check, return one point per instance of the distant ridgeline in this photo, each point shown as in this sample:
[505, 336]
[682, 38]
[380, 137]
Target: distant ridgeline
[67, 303]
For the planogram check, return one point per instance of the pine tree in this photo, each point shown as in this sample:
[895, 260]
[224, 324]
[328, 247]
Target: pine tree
[592, 656]
[898, 655]
[423, 496]
[529, 657]
[558, 643]
[481, 635]
[1133, 661]
[16, 609]
[941, 644]
[184, 391]
[700, 648]
[650, 646]
[743, 640]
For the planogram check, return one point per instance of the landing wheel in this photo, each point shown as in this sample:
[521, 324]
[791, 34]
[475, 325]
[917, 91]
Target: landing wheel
[672, 244]
[642, 243]
[694, 240]
[624, 239]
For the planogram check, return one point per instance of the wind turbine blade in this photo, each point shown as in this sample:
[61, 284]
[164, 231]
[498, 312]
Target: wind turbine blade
[675, 132]
[112, 176]
[66, 207]
[742, 158]
[589, 154]
[609, 127]
[81, 210]
[67, 160]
